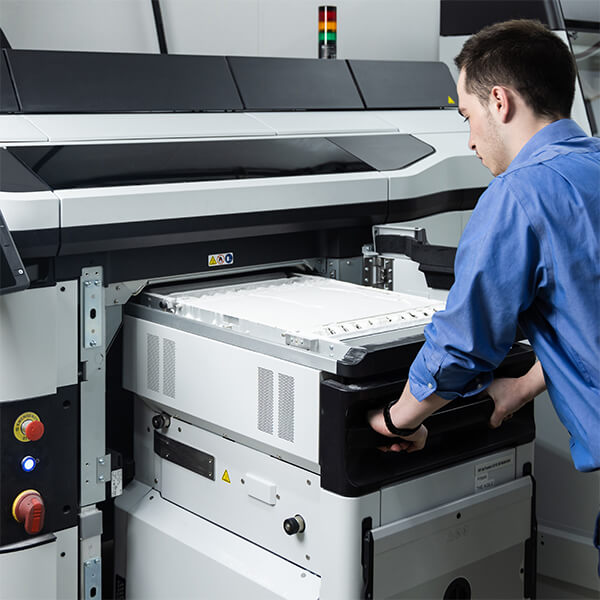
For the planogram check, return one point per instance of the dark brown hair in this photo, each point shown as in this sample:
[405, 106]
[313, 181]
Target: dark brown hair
[526, 56]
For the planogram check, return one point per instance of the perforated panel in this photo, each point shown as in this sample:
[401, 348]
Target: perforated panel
[265, 400]
[286, 407]
[153, 364]
[169, 368]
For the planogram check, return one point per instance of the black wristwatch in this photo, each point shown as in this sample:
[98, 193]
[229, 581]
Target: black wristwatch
[406, 431]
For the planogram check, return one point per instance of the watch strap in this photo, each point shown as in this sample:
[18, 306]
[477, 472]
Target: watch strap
[402, 432]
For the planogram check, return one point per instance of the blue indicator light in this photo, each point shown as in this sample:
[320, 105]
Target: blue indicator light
[28, 464]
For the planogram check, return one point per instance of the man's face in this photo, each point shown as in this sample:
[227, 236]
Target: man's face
[484, 138]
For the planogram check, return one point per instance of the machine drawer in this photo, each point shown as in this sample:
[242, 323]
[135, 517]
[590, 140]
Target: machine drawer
[462, 549]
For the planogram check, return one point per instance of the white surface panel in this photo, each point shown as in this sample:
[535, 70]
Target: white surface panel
[29, 210]
[201, 559]
[59, 128]
[93, 206]
[307, 305]
[425, 121]
[16, 129]
[290, 123]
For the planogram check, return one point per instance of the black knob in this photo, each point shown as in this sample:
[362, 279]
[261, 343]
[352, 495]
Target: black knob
[294, 525]
[161, 421]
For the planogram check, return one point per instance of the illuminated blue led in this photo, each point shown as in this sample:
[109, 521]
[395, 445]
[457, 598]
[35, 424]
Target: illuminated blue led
[28, 464]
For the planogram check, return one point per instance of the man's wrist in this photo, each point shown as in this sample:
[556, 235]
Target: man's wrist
[389, 422]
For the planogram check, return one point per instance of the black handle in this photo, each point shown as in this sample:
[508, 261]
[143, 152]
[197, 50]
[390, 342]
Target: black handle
[449, 419]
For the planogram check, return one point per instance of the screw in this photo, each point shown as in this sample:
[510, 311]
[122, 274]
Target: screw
[96, 561]
[92, 343]
[331, 346]
[87, 283]
[101, 461]
[87, 563]
[96, 282]
[20, 271]
[101, 477]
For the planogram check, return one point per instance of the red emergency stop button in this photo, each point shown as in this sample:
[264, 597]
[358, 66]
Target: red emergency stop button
[28, 508]
[33, 430]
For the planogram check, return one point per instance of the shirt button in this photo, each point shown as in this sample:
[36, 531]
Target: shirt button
[478, 386]
[430, 385]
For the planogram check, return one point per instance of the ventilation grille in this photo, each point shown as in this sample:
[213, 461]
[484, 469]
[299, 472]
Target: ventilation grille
[154, 365]
[281, 412]
[286, 407]
[265, 400]
[169, 368]
[153, 362]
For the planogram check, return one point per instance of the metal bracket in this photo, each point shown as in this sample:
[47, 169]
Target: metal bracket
[92, 579]
[378, 272]
[93, 308]
[296, 341]
[103, 468]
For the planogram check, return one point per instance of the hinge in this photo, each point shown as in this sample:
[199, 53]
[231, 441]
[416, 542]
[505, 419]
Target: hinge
[378, 272]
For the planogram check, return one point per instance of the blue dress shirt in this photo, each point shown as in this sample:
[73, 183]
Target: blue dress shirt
[529, 254]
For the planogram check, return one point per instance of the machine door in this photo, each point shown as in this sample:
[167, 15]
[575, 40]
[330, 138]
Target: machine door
[463, 549]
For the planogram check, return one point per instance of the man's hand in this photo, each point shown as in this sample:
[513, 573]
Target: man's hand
[511, 394]
[411, 443]
[407, 413]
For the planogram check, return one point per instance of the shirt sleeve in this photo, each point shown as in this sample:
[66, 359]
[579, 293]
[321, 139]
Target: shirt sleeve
[498, 269]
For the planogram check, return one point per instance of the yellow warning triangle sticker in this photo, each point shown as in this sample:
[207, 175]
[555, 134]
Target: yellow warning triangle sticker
[213, 262]
[450, 101]
[226, 477]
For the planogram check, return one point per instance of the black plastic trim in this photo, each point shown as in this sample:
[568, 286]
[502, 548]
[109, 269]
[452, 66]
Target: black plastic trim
[407, 209]
[185, 456]
[13, 276]
[466, 17]
[160, 29]
[530, 561]
[9, 102]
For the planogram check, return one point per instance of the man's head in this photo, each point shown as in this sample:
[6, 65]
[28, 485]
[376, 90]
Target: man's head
[515, 77]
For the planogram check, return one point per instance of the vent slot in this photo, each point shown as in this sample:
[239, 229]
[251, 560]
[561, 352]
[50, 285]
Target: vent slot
[169, 368]
[265, 400]
[153, 362]
[286, 407]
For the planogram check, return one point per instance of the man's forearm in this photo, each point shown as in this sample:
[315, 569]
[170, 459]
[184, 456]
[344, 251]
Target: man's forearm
[408, 412]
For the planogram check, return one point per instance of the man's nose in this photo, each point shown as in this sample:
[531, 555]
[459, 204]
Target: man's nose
[471, 142]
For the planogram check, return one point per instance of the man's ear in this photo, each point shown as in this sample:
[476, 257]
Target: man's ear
[501, 103]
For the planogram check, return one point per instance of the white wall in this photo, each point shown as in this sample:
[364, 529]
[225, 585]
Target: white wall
[376, 29]
[95, 25]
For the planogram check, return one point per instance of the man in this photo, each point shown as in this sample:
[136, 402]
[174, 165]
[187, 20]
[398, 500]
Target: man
[529, 254]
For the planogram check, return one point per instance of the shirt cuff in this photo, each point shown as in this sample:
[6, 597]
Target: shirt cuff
[447, 385]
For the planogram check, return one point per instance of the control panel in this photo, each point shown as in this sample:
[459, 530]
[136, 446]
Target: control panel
[39, 460]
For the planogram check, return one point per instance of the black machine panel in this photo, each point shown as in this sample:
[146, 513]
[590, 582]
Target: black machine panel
[404, 84]
[14, 177]
[13, 276]
[465, 17]
[385, 152]
[64, 167]
[8, 100]
[352, 464]
[89, 82]
[294, 84]
[53, 458]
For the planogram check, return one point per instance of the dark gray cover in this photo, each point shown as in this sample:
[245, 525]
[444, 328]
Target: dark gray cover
[294, 84]
[385, 152]
[404, 84]
[88, 82]
[8, 101]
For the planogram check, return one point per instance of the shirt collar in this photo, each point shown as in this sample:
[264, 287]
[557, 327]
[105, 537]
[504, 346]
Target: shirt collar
[558, 131]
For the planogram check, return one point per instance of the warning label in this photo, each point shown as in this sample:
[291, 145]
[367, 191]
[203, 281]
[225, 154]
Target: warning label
[450, 100]
[225, 477]
[483, 471]
[220, 260]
